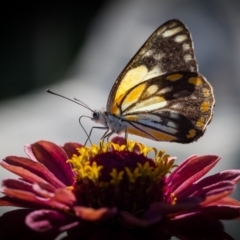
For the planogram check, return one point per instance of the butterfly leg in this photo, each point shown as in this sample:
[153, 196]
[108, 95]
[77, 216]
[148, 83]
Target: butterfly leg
[90, 133]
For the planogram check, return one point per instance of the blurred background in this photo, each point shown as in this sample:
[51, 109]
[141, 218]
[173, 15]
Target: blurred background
[78, 49]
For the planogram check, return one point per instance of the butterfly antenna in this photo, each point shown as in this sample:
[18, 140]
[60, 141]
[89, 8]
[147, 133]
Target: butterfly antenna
[72, 100]
[77, 100]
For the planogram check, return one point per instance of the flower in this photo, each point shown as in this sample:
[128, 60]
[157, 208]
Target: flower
[115, 190]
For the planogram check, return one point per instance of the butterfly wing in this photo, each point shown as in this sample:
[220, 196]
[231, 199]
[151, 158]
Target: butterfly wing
[168, 49]
[173, 107]
[160, 94]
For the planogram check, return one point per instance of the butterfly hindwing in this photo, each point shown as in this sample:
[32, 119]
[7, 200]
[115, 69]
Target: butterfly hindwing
[172, 107]
[168, 49]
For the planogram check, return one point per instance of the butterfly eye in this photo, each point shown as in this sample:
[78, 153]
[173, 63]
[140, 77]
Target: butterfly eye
[95, 116]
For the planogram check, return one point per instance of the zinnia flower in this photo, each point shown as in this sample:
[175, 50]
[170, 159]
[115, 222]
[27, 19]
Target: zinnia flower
[115, 191]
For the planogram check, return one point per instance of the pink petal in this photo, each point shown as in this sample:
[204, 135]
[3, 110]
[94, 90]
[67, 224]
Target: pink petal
[91, 214]
[54, 158]
[30, 170]
[190, 171]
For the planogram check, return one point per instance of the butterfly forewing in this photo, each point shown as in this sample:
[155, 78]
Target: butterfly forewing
[169, 49]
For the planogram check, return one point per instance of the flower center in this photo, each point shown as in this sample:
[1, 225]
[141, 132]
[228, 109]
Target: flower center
[119, 176]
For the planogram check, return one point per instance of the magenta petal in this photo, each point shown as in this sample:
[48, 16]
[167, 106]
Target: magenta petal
[46, 220]
[190, 171]
[54, 158]
[12, 226]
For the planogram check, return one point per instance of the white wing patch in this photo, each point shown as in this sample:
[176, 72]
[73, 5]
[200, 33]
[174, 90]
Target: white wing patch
[155, 72]
[163, 128]
[171, 32]
[180, 38]
[150, 104]
[187, 57]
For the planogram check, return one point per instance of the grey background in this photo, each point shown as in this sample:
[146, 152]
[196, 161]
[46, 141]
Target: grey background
[116, 33]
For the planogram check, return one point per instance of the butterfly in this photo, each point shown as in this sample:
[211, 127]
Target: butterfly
[160, 94]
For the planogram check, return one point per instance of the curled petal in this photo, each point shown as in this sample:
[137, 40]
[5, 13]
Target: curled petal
[91, 214]
[54, 158]
[50, 220]
[12, 226]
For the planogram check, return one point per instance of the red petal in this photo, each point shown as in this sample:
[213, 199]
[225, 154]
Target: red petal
[71, 148]
[215, 192]
[30, 170]
[230, 175]
[17, 184]
[29, 198]
[190, 171]
[54, 158]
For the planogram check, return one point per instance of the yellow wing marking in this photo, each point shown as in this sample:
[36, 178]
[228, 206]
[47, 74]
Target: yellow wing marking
[174, 77]
[133, 76]
[191, 133]
[205, 106]
[156, 134]
[195, 81]
[200, 122]
[133, 96]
